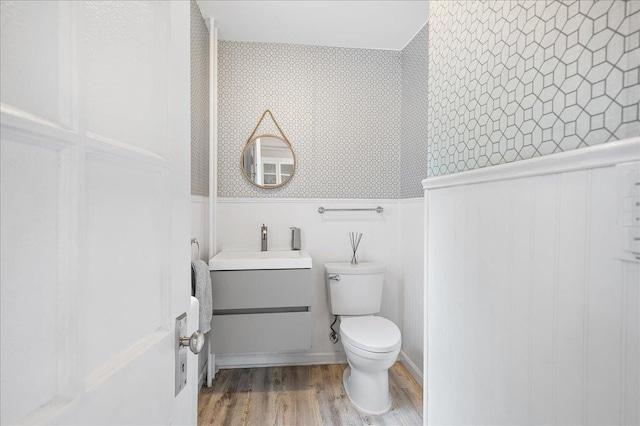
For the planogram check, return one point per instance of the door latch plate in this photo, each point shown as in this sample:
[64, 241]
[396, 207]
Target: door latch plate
[181, 353]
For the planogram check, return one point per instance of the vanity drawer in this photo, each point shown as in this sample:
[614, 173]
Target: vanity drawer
[247, 333]
[255, 289]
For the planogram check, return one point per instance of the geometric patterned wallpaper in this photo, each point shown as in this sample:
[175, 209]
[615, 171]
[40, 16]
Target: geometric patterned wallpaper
[514, 80]
[413, 151]
[199, 103]
[339, 108]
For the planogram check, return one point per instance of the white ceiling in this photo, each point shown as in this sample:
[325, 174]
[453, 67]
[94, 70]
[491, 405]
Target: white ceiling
[361, 24]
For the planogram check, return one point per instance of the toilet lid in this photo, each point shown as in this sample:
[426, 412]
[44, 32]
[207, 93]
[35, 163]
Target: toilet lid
[373, 334]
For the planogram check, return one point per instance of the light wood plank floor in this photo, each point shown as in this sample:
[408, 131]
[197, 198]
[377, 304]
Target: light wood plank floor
[303, 395]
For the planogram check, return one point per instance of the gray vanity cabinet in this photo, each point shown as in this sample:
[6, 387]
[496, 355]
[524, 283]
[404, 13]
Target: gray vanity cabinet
[259, 311]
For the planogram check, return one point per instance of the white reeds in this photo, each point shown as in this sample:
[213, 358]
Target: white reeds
[355, 238]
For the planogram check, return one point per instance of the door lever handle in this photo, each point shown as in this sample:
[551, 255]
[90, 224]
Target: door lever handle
[195, 342]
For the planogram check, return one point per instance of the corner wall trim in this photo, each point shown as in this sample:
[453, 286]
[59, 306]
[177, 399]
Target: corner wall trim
[603, 155]
[213, 138]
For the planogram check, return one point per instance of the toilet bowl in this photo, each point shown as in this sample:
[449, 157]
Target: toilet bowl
[372, 345]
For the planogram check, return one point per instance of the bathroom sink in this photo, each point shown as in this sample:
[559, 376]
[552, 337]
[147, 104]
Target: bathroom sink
[239, 260]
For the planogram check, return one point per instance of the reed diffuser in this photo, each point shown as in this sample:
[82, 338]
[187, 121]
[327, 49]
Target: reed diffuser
[355, 238]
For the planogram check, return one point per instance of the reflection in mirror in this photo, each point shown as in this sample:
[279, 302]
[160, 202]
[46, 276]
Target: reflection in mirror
[268, 161]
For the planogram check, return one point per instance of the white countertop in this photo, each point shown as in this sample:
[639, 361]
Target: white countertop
[239, 260]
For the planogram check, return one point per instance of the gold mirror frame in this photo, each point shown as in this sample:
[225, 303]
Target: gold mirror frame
[249, 144]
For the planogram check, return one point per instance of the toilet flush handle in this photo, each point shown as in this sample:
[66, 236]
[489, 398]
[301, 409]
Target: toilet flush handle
[334, 277]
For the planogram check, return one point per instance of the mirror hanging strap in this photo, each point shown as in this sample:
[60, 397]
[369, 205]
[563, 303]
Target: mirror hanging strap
[274, 121]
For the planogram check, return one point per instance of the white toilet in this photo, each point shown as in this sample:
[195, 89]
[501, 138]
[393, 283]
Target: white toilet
[372, 344]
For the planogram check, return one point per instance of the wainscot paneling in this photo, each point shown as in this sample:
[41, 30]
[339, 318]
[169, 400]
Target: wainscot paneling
[412, 262]
[532, 301]
[200, 231]
[326, 238]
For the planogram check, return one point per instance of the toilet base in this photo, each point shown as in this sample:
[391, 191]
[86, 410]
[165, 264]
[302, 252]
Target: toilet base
[346, 376]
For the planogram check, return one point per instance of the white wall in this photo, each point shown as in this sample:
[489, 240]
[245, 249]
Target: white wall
[326, 238]
[200, 230]
[533, 306]
[411, 243]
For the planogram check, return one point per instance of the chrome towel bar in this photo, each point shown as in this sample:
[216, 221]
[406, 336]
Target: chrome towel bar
[376, 209]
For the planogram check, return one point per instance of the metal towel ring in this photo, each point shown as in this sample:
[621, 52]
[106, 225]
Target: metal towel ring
[195, 241]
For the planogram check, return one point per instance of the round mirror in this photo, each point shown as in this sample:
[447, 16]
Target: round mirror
[268, 161]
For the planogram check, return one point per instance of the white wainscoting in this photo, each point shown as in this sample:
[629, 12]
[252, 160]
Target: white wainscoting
[326, 238]
[200, 226]
[200, 230]
[532, 306]
[395, 238]
[411, 245]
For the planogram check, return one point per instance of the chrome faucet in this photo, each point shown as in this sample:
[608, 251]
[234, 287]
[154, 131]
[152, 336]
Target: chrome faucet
[263, 235]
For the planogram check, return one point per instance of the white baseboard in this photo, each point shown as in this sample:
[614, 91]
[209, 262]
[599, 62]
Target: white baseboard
[273, 360]
[412, 368]
[278, 359]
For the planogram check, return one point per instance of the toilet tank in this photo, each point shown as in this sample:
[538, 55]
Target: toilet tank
[354, 289]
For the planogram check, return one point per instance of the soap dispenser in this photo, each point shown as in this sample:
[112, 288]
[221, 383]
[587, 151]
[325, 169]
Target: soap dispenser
[295, 238]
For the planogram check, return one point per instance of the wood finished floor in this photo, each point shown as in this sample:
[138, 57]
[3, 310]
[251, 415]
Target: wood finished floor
[302, 395]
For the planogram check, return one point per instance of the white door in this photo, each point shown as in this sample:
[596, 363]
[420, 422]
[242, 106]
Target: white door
[94, 211]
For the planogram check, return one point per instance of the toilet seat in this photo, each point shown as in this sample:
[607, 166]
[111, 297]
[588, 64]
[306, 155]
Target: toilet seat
[371, 334]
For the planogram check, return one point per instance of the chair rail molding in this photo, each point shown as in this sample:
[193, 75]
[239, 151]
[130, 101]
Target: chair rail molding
[606, 154]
